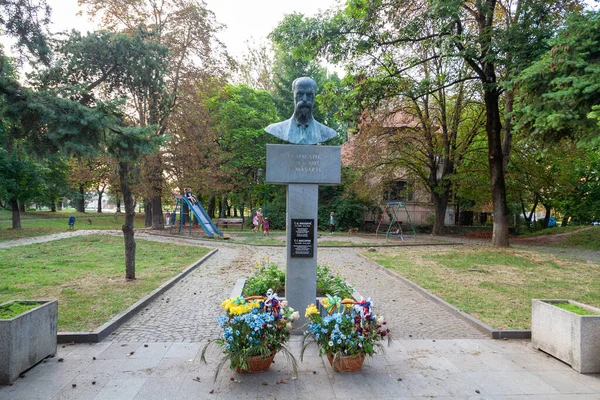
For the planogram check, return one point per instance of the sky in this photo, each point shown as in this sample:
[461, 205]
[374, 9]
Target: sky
[245, 19]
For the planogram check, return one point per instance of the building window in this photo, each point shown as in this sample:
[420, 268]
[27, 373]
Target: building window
[399, 190]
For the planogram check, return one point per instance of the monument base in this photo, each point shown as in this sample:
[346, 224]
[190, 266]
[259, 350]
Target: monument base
[301, 269]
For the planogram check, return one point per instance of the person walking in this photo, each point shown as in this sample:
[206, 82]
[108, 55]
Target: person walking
[331, 223]
[266, 226]
[255, 222]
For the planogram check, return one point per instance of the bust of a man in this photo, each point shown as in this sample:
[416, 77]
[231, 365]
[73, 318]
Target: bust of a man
[302, 128]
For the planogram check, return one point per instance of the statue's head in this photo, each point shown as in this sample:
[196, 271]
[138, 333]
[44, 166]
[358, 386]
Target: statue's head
[304, 90]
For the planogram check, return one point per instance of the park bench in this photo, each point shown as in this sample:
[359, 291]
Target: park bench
[230, 222]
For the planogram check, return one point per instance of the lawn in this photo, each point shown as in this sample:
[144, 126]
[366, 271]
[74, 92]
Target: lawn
[495, 285]
[39, 224]
[86, 275]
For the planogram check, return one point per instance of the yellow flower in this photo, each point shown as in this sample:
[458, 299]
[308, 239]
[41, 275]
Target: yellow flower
[310, 310]
[238, 309]
[226, 304]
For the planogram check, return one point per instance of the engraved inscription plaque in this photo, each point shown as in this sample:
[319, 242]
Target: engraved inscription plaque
[303, 238]
[292, 163]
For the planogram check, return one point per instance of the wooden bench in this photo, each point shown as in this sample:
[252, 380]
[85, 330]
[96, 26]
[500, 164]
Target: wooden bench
[229, 222]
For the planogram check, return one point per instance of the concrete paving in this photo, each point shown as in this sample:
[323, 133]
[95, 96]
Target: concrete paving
[410, 369]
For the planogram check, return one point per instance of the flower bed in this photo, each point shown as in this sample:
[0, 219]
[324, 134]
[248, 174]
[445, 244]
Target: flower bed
[268, 276]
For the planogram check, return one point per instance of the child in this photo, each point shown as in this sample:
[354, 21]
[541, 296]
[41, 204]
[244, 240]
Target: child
[168, 218]
[331, 223]
[266, 226]
[188, 194]
[255, 222]
[71, 222]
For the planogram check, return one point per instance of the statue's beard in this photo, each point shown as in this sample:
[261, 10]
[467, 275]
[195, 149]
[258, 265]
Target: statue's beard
[303, 114]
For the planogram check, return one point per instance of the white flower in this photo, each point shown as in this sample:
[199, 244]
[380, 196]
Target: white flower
[295, 315]
[291, 309]
[380, 319]
[284, 304]
[289, 325]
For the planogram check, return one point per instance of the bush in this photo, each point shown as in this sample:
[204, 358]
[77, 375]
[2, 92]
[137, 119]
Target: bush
[330, 283]
[266, 276]
[269, 276]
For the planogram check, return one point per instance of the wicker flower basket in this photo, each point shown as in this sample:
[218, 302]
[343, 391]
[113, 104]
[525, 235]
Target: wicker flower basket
[257, 364]
[346, 363]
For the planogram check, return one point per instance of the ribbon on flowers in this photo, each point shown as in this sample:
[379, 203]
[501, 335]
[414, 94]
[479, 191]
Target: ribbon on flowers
[331, 303]
[365, 309]
[273, 304]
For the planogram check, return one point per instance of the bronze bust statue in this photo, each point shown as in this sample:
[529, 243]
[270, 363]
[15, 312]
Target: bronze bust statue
[302, 128]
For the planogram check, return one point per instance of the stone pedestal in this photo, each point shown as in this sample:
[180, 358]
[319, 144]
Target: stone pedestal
[302, 168]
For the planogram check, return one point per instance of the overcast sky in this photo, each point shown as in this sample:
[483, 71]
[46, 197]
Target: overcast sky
[245, 20]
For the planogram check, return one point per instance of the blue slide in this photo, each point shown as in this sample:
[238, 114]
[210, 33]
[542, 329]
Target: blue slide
[202, 217]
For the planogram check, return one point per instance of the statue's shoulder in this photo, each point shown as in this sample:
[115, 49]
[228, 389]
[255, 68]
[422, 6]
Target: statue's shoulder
[325, 132]
[279, 129]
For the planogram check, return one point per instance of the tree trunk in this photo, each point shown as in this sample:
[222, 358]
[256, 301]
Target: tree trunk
[81, 199]
[128, 232]
[53, 207]
[496, 166]
[148, 213]
[118, 203]
[211, 207]
[100, 193]
[565, 220]
[16, 215]
[547, 215]
[157, 213]
[440, 202]
[22, 207]
[223, 208]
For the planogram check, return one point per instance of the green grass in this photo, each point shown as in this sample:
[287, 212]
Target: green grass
[550, 231]
[495, 285]
[574, 309]
[11, 310]
[45, 224]
[86, 275]
[588, 239]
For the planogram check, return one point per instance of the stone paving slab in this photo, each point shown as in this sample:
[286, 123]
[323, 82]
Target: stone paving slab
[187, 312]
[410, 369]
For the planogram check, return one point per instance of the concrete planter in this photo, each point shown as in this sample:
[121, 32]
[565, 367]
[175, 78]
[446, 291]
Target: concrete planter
[572, 338]
[27, 339]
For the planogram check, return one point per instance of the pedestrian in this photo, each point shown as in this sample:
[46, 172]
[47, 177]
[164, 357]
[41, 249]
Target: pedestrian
[259, 214]
[168, 218]
[71, 222]
[255, 222]
[266, 226]
[331, 223]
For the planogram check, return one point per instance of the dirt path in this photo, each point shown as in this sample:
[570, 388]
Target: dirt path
[56, 236]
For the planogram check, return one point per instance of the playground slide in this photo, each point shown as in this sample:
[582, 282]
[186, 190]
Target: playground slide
[202, 217]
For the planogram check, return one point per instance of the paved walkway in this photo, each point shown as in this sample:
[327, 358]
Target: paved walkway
[187, 311]
[411, 369]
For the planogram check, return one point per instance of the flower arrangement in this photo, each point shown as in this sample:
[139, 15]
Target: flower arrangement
[254, 330]
[348, 330]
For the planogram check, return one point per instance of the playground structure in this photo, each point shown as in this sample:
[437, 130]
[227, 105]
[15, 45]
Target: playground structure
[394, 230]
[198, 212]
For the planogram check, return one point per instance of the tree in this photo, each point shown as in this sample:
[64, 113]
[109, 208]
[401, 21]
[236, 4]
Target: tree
[491, 37]
[557, 96]
[240, 115]
[24, 20]
[93, 84]
[188, 30]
